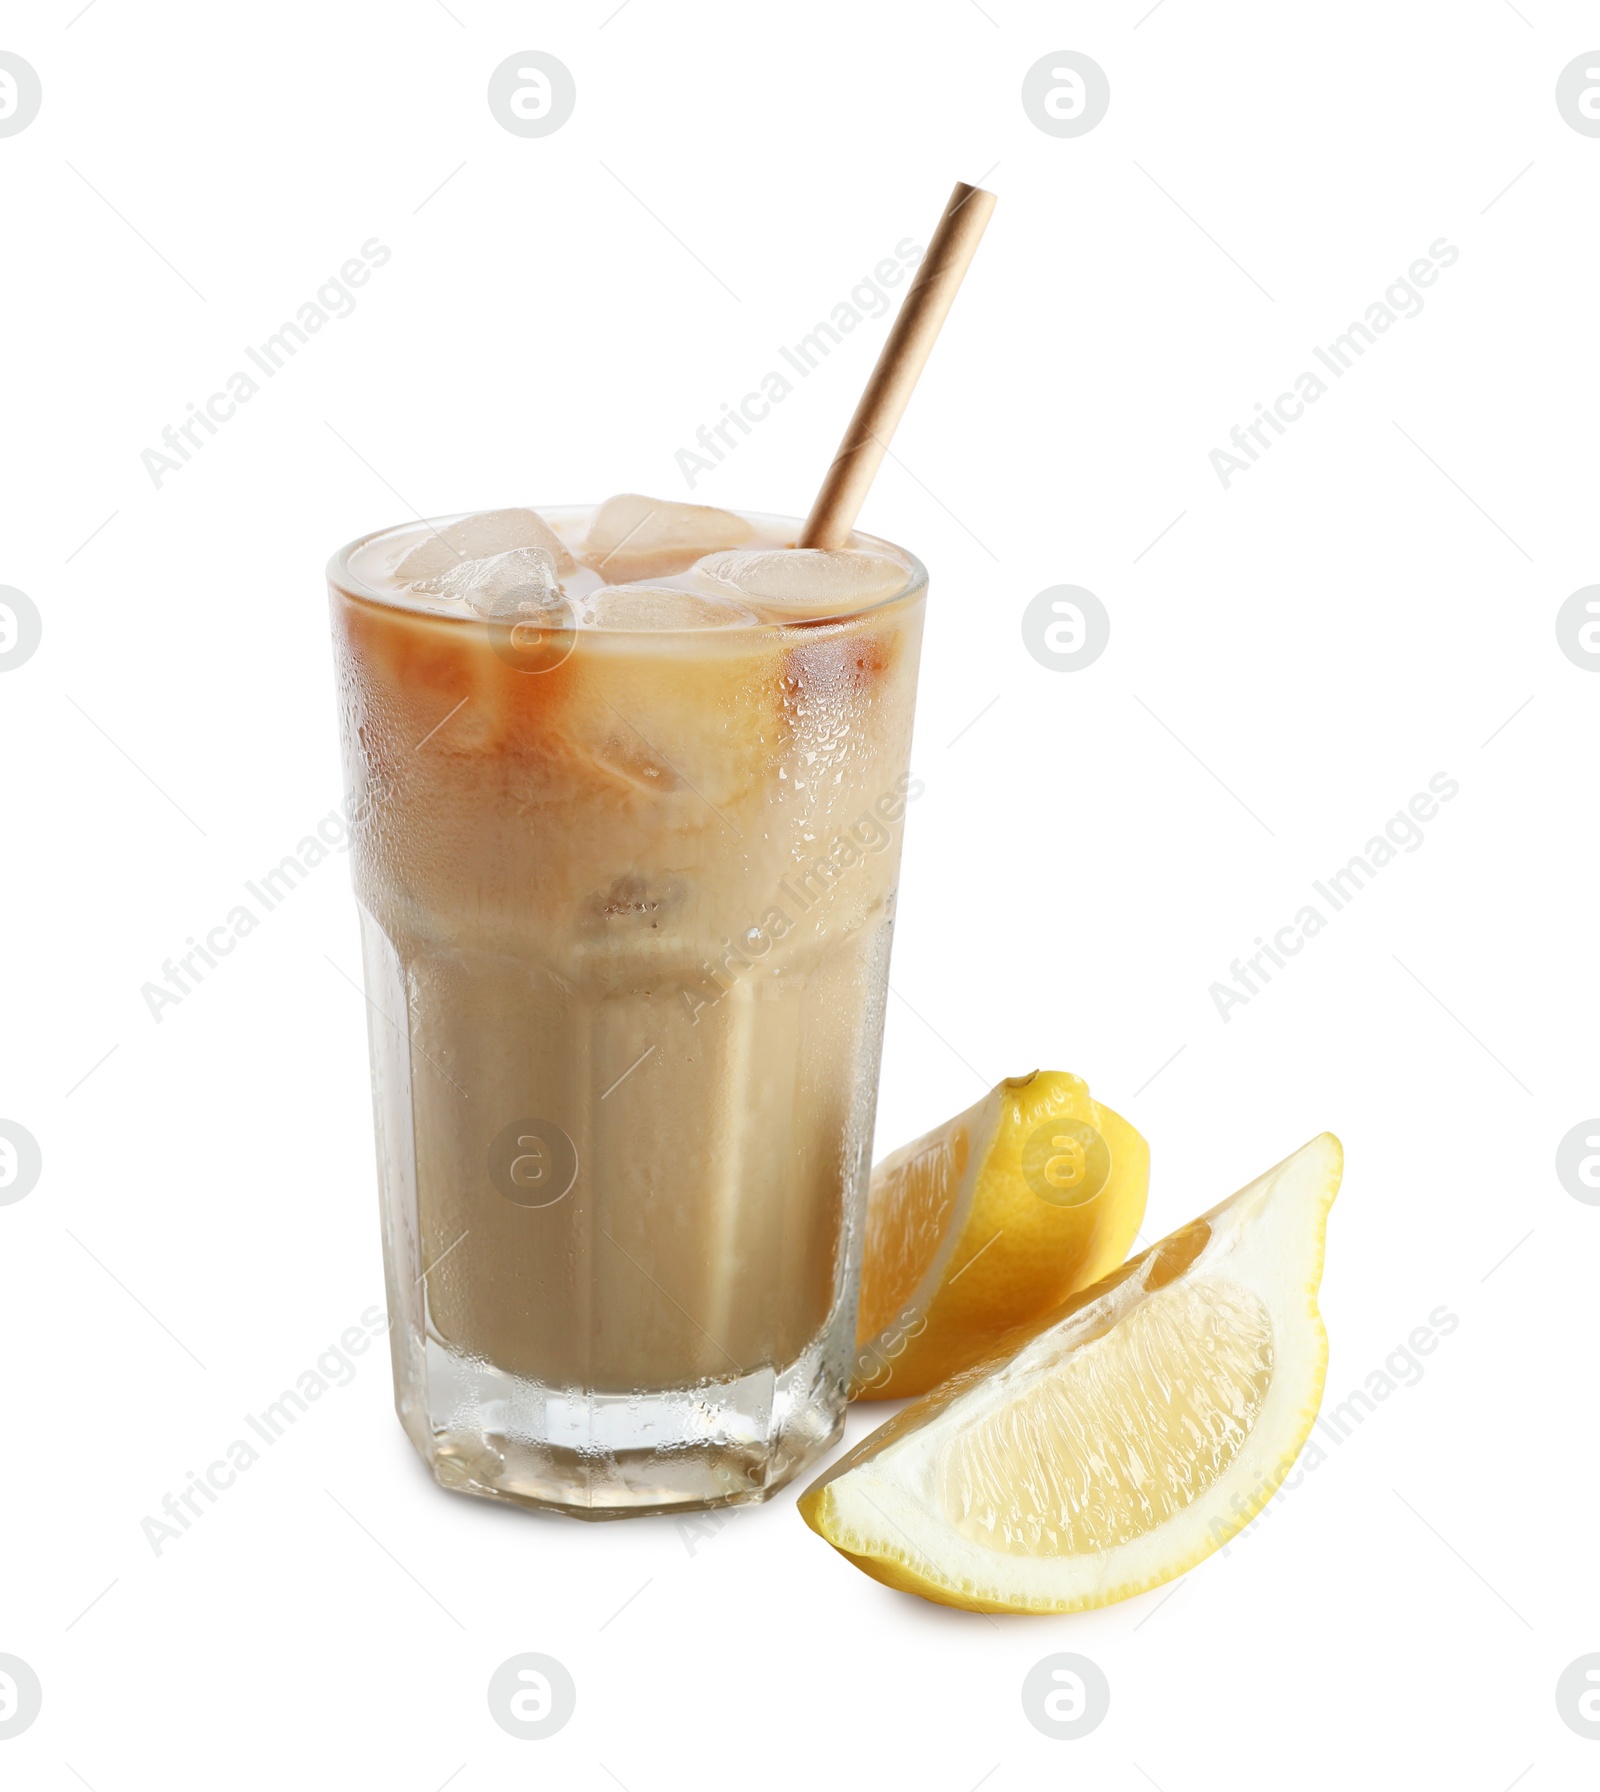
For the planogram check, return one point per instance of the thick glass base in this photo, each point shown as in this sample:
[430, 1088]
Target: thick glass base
[598, 1455]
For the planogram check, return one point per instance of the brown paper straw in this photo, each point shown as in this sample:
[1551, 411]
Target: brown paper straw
[904, 355]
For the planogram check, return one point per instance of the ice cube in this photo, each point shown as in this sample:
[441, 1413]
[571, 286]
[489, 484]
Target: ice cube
[660, 607]
[631, 537]
[505, 585]
[480, 537]
[809, 582]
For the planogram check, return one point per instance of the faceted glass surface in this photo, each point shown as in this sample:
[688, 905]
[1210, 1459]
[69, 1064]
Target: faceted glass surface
[626, 899]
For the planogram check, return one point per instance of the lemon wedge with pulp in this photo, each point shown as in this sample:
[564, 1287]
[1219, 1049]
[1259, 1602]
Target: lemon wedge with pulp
[990, 1220]
[1112, 1446]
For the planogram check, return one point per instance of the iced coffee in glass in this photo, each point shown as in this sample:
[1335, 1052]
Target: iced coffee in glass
[627, 786]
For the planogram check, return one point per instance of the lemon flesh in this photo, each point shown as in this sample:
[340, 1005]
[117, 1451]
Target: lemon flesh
[1111, 1446]
[989, 1221]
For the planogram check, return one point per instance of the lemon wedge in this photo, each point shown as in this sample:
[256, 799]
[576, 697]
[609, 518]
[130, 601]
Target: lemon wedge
[989, 1221]
[1121, 1440]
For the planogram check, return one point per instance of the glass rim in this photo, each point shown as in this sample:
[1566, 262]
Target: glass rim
[341, 579]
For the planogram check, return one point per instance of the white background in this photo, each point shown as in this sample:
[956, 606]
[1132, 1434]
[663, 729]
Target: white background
[1288, 665]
